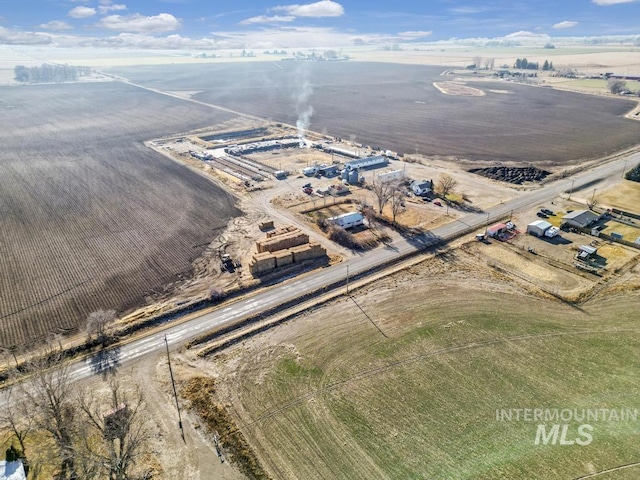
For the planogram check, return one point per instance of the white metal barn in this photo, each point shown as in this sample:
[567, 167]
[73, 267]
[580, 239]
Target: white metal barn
[347, 220]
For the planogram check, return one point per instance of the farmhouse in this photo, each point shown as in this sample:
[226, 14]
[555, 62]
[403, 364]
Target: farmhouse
[422, 187]
[538, 228]
[579, 219]
[12, 470]
[347, 220]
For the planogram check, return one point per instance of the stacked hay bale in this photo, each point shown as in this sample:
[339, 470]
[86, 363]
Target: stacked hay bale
[284, 246]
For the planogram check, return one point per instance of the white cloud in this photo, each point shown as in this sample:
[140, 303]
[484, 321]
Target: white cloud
[414, 34]
[111, 8]
[268, 19]
[607, 3]
[16, 37]
[527, 35]
[82, 12]
[55, 25]
[323, 8]
[164, 22]
[565, 24]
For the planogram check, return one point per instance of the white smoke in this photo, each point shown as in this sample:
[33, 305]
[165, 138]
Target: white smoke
[304, 110]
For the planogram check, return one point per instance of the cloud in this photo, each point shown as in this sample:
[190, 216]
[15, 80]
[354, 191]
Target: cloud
[323, 8]
[82, 12]
[527, 35]
[467, 10]
[607, 3]
[415, 34]
[565, 24]
[55, 25]
[164, 22]
[111, 8]
[15, 37]
[268, 19]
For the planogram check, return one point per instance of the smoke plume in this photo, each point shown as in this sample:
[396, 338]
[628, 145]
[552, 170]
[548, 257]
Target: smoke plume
[304, 110]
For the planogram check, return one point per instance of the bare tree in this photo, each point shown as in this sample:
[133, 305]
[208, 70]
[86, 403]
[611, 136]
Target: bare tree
[116, 433]
[398, 197]
[489, 63]
[98, 324]
[477, 62]
[616, 86]
[19, 425]
[48, 400]
[446, 183]
[383, 191]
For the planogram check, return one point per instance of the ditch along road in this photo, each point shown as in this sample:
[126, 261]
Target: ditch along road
[321, 280]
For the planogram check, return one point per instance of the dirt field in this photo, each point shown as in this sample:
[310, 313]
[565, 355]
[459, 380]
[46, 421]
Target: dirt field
[400, 108]
[327, 395]
[92, 219]
[625, 196]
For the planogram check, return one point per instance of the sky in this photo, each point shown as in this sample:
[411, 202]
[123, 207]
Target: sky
[264, 24]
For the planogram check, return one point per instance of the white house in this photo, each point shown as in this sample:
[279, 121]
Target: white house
[12, 470]
[347, 220]
[422, 187]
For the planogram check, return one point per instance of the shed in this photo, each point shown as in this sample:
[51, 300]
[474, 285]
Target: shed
[579, 218]
[347, 220]
[538, 228]
[586, 251]
[496, 229]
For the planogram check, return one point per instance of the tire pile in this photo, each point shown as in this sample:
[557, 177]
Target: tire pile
[514, 175]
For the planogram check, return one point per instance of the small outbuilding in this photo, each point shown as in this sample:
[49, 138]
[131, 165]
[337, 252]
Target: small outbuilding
[347, 220]
[580, 218]
[586, 251]
[496, 230]
[538, 228]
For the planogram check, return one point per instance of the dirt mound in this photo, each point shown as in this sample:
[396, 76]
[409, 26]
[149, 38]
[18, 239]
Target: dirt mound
[516, 175]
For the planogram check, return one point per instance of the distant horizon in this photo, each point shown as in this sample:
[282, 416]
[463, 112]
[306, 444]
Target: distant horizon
[260, 25]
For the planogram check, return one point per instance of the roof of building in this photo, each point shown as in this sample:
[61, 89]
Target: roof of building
[497, 227]
[542, 224]
[12, 470]
[587, 249]
[349, 216]
[421, 183]
[581, 216]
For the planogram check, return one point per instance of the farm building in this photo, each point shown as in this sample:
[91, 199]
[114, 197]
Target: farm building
[347, 220]
[538, 228]
[579, 218]
[368, 162]
[328, 171]
[390, 176]
[422, 187]
[585, 251]
[496, 230]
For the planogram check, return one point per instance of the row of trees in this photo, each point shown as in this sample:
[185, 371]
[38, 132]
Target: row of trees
[524, 64]
[47, 73]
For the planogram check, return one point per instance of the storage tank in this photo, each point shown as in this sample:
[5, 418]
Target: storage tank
[353, 176]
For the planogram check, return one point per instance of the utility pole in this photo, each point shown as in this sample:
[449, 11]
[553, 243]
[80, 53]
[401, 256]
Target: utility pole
[347, 279]
[486, 227]
[175, 393]
[624, 168]
[571, 190]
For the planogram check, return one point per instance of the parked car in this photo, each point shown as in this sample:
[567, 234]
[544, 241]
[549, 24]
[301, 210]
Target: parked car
[437, 203]
[308, 190]
[306, 185]
[542, 215]
[546, 211]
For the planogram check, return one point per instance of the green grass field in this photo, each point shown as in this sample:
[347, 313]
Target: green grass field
[336, 399]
